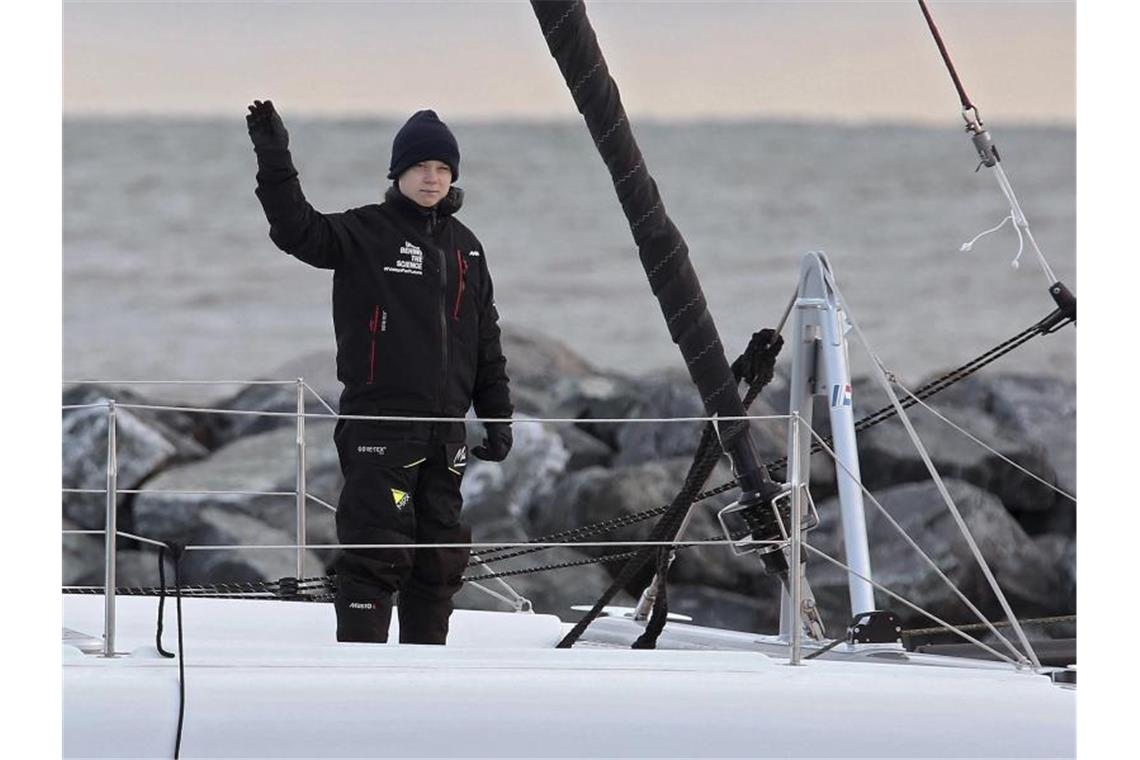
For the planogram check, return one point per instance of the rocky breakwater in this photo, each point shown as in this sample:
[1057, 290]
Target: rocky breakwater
[561, 477]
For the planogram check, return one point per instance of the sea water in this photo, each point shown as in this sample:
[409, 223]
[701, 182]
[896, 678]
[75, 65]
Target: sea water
[169, 272]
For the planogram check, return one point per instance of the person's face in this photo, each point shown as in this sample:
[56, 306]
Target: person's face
[426, 183]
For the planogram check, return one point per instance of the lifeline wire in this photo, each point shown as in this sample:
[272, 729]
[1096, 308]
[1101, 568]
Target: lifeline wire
[179, 382]
[403, 418]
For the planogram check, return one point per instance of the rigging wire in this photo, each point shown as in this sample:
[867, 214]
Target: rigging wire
[915, 607]
[319, 397]
[989, 157]
[1051, 322]
[914, 545]
[882, 377]
[982, 443]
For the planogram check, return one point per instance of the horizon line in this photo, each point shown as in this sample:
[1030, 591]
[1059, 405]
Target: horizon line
[561, 119]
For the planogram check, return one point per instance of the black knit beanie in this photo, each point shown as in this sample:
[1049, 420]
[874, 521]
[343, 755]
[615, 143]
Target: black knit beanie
[423, 138]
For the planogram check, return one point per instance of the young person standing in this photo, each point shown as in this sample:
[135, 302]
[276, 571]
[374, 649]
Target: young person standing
[417, 335]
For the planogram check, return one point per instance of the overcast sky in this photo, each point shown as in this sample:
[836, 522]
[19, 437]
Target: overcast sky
[820, 60]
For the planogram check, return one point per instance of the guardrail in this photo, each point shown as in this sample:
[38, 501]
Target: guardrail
[111, 532]
[793, 537]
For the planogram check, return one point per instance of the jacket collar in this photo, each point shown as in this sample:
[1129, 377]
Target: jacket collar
[450, 204]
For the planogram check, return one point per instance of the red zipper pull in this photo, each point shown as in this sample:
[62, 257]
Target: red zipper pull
[373, 326]
[462, 269]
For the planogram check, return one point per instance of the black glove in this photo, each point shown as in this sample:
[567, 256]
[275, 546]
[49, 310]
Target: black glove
[496, 443]
[758, 362]
[265, 127]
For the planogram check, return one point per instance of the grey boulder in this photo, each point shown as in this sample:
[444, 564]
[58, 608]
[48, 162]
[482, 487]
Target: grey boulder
[170, 507]
[888, 456]
[1028, 575]
[275, 404]
[496, 490]
[145, 443]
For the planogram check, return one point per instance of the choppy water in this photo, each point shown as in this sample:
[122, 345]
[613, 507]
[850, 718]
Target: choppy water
[169, 273]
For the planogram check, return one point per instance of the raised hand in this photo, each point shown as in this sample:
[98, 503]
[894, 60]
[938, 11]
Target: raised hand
[266, 129]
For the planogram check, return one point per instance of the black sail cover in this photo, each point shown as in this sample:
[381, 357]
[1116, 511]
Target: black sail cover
[663, 252]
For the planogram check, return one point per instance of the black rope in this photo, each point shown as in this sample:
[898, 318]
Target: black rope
[615, 557]
[757, 366]
[203, 592]
[239, 589]
[709, 450]
[1047, 325]
[161, 601]
[660, 613]
[666, 528]
[824, 650]
[938, 629]
[176, 551]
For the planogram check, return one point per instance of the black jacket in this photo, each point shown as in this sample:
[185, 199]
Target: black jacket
[413, 304]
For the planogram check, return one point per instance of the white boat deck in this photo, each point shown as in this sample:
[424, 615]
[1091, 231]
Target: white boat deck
[267, 679]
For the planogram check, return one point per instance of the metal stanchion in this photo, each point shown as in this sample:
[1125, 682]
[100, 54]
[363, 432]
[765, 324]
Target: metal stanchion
[797, 519]
[301, 477]
[110, 529]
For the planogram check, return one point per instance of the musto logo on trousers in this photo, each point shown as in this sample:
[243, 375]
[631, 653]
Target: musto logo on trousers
[400, 498]
[459, 461]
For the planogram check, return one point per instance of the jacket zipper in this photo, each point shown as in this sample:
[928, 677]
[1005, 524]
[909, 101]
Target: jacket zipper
[373, 327]
[462, 268]
[443, 353]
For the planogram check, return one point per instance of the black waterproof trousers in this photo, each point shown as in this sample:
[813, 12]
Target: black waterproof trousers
[401, 487]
